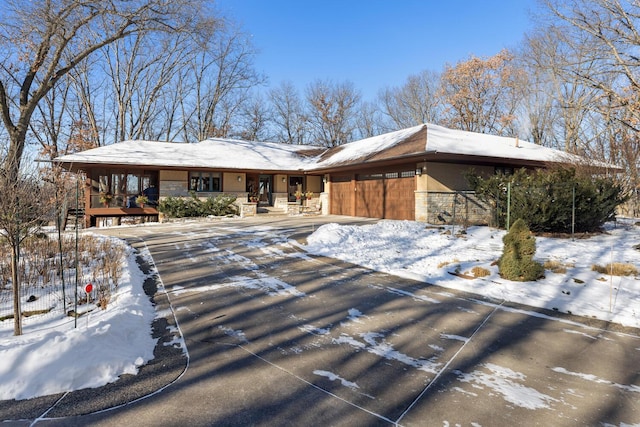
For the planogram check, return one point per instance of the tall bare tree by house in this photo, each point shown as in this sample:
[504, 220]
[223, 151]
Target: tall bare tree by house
[254, 118]
[571, 104]
[142, 71]
[223, 73]
[40, 42]
[370, 121]
[332, 109]
[417, 101]
[287, 114]
[601, 37]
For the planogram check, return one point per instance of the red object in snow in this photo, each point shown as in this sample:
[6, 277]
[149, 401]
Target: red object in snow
[88, 288]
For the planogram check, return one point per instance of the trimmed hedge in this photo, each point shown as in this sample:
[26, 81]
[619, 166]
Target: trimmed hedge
[183, 207]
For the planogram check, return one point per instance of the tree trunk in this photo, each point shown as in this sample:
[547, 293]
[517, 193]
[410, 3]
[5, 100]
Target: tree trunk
[17, 310]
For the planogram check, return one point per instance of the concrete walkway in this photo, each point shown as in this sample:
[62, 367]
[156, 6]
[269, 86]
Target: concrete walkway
[277, 337]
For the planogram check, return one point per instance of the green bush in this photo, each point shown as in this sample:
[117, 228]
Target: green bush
[183, 207]
[544, 199]
[516, 262]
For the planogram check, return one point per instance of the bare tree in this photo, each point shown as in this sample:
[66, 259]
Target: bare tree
[41, 42]
[223, 74]
[88, 87]
[50, 119]
[610, 30]
[332, 112]
[416, 102]
[555, 61]
[254, 117]
[598, 69]
[370, 121]
[142, 70]
[21, 209]
[287, 114]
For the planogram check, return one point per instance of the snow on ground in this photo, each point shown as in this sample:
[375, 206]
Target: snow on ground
[430, 254]
[54, 356]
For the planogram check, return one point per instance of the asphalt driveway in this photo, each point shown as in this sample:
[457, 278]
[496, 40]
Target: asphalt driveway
[276, 337]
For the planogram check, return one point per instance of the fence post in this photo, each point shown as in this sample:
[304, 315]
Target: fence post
[453, 221]
[508, 205]
[75, 309]
[59, 227]
[497, 215]
[573, 211]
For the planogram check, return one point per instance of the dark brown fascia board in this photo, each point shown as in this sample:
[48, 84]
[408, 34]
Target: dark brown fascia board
[433, 157]
[86, 166]
[464, 159]
[413, 158]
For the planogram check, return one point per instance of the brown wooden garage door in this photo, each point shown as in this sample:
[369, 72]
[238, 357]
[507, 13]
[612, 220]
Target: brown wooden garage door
[341, 192]
[387, 195]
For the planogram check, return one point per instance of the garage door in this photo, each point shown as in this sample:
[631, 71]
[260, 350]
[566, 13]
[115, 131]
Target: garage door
[400, 197]
[389, 195]
[341, 201]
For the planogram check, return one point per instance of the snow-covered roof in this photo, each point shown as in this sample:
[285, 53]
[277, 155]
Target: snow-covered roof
[450, 141]
[210, 153]
[426, 140]
[430, 140]
[369, 149]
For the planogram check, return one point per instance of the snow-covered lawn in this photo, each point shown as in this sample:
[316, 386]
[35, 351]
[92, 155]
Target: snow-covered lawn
[430, 254]
[52, 356]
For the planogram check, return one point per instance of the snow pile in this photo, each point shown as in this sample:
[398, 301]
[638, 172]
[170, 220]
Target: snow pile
[438, 256]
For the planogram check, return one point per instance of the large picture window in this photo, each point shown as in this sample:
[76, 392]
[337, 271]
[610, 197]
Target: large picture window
[120, 187]
[205, 182]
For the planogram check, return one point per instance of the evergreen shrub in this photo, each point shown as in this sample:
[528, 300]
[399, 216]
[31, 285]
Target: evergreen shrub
[544, 198]
[516, 262]
[182, 207]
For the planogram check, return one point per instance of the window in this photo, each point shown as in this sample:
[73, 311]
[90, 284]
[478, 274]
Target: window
[365, 177]
[205, 182]
[121, 186]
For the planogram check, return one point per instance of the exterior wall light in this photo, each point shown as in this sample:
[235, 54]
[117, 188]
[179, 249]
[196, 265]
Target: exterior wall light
[239, 178]
[418, 171]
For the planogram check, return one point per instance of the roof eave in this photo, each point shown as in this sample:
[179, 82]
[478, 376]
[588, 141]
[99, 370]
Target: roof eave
[83, 166]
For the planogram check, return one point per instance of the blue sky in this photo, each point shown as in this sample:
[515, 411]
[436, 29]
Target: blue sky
[374, 43]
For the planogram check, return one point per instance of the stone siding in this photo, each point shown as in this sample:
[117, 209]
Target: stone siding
[460, 207]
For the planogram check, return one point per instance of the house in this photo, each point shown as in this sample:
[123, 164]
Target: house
[414, 174]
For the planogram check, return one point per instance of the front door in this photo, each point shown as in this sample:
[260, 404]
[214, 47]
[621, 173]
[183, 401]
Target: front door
[264, 190]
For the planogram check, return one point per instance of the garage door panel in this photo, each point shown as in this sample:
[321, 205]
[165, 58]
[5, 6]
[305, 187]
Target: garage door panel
[368, 198]
[341, 198]
[399, 200]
